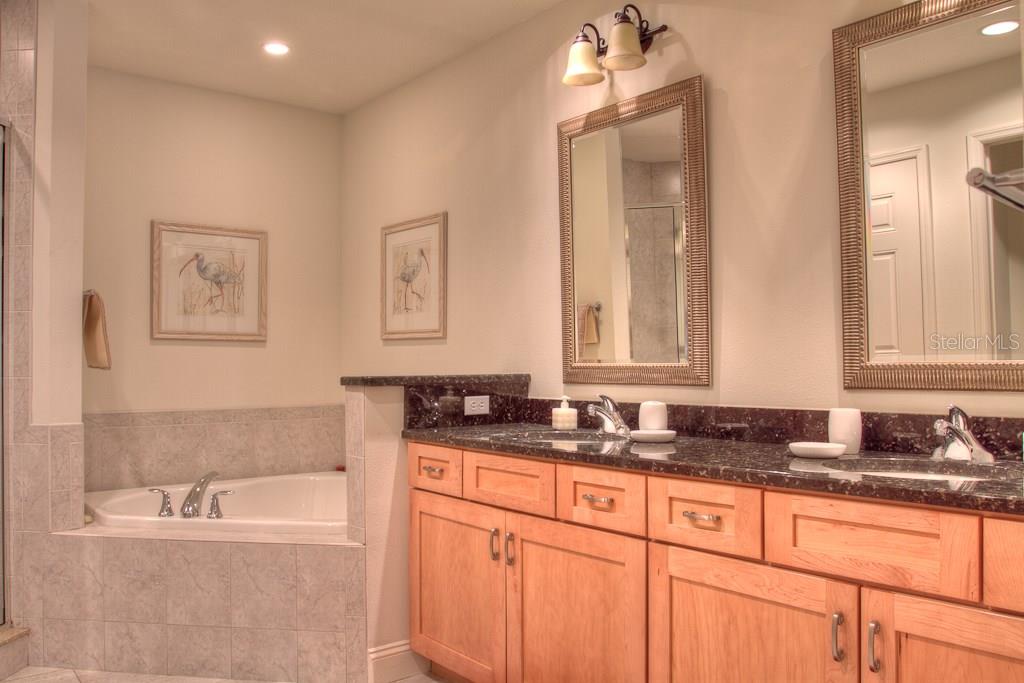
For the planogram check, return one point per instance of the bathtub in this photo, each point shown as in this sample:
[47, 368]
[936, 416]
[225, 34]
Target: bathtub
[312, 504]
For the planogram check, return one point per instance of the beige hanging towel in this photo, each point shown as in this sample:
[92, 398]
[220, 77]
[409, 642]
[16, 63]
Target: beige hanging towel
[587, 325]
[94, 331]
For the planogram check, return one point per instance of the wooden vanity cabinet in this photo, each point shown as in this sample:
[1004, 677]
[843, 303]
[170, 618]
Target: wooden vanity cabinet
[457, 585]
[910, 639]
[497, 595]
[502, 592]
[577, 604]
[719, 619]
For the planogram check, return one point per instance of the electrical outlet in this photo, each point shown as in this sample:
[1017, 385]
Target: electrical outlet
[478, 405]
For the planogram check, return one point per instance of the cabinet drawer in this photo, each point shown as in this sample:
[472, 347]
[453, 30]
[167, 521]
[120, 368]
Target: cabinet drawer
[435, 468]
[717, 517]
[919, 550]
[514, 483]
[1004, 557]
[602, 498]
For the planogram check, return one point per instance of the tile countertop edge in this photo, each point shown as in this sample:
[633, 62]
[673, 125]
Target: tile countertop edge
[754, 464]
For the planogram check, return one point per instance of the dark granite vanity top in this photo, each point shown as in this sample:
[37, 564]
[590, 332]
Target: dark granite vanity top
[995, 488]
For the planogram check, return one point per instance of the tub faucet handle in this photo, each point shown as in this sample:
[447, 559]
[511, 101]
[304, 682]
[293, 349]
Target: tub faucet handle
[165, 503]
[215, 512]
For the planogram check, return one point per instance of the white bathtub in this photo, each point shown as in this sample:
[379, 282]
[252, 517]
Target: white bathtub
[293, 503]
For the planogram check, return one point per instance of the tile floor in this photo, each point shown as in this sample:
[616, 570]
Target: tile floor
[37, 674]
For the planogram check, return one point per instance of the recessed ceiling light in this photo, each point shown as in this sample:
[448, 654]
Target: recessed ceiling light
[1000, 27]
[275, 48]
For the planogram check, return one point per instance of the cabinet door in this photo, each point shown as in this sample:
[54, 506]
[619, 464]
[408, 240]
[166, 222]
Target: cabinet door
[457, 585]
[920, 640]
[576, 604]
[716, 619]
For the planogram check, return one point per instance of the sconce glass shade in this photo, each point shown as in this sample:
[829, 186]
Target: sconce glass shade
[624, 52]
[582, 68]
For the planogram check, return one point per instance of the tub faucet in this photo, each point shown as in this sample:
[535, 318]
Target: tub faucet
[955, 430]
[193, 505]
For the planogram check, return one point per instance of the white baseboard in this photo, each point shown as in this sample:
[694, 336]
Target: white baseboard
[393, 662]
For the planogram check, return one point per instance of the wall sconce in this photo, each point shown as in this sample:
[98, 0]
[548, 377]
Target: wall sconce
[623, 51]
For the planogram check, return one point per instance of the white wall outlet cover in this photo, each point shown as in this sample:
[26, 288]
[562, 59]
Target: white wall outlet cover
[478, 405]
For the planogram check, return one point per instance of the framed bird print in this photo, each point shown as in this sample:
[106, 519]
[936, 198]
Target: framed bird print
[413, 274]
[208, 283]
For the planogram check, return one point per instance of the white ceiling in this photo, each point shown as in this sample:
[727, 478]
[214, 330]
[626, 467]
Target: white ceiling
[344, 52]
[948, 47]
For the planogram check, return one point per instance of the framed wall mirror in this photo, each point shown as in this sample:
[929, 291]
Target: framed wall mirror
[634, 241]
[932, 269]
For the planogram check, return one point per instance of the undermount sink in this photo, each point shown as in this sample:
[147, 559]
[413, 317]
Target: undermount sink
[906, 468]
[576, 436]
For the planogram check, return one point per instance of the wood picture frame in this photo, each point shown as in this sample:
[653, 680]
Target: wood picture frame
[202, 283]
[414, 272]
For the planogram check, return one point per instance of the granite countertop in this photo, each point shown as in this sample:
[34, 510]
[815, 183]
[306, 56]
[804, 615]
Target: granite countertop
[1001, 490]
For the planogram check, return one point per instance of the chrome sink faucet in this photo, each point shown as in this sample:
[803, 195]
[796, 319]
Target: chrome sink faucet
[956, 430]
[609, 410]
[193, 505]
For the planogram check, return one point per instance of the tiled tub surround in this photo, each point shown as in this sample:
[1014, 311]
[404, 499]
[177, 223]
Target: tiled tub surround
[253, 611]
[127, 450]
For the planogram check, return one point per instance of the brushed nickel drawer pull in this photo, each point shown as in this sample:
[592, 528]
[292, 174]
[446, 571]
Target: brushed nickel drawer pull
[873, 663]
[510, 558]
[699, 517]
[837, 652]
[493, 545]
[597, 500]
[433, 469]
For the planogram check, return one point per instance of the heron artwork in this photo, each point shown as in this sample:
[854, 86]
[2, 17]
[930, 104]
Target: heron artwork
[412, 267]
[220, 288]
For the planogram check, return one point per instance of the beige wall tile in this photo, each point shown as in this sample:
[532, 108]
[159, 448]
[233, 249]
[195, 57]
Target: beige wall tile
[13, 657]
[29, 566]
[134, 580]
[321, 657]
[263, 585]
[31, 485]
[355, 582]
[355, 648]
[73, 644]
[198, 583]
[322, 585]
[199, 651]
[135, 648]
[259, 654]
[74, 581]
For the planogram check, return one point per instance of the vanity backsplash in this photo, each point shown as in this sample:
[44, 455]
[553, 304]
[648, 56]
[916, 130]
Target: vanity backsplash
[426, 407]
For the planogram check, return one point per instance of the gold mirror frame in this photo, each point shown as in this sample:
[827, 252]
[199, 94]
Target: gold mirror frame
[696, 369]
[858, 371]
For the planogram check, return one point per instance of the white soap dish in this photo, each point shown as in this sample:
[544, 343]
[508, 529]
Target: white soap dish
[817, 449]
[652, 435]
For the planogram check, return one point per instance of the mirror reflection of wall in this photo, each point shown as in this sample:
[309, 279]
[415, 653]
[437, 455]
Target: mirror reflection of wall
[944, 263]
[628, 242]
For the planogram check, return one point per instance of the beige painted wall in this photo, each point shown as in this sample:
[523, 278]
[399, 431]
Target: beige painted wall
[170, 152]
[477, 137]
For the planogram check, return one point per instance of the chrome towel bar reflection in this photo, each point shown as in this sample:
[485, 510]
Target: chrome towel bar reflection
[1007, 188]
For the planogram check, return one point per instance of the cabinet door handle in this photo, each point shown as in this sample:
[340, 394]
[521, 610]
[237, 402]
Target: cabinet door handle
[597, 500]
[699, 517]
[837, 652]
[510, 539]
[433, 469]
[873, 630]
[493, 545]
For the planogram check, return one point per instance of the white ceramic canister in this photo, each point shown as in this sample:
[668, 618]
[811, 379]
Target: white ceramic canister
[653, 415]
[844, 426]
